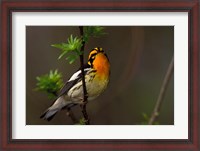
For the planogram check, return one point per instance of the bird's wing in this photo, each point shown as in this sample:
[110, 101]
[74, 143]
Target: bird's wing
[75, 78]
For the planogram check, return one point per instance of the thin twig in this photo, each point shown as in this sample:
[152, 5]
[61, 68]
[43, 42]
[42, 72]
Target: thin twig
[163, 89]
[69, 112]
[84, 111]
[71, 115]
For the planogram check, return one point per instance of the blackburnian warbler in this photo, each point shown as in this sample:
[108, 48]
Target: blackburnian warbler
[97, 72]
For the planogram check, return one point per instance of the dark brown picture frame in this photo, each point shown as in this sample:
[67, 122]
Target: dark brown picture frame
[9, 6]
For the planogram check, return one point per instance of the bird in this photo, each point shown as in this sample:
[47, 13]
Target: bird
[97, 74]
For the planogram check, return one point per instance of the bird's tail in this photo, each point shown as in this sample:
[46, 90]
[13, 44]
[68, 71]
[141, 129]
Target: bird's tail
[52, 110]
[49, 114]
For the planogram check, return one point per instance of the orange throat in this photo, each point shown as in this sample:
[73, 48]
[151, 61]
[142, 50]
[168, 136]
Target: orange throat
[102, 65]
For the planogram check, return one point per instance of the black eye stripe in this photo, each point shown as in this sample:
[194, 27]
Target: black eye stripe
[94, 54]
[91, 59]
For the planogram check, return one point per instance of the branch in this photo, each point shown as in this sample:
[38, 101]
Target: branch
[84, 111]
[163, 89]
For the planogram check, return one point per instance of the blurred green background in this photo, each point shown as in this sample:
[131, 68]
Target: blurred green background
[139, 57]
